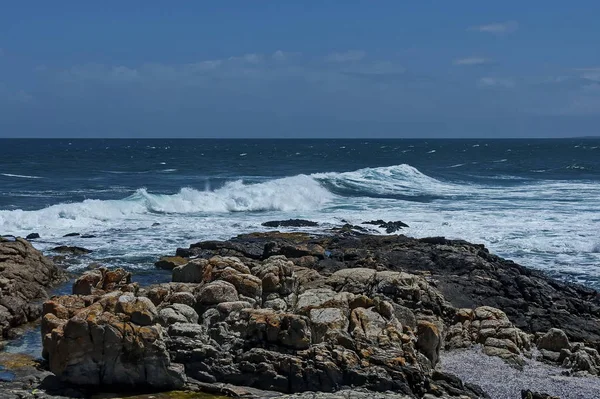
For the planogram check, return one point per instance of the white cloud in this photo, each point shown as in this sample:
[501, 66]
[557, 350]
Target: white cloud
[472, 61]
[592, 74]
[506, 83]
[284, 55]
[251, 58]
[498, 28]
[348, 56]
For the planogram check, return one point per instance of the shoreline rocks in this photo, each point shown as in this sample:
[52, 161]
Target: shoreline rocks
[25, 277]
[292, 312]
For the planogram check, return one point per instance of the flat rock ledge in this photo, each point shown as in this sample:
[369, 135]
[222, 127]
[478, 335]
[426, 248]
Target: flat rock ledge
[347, 316]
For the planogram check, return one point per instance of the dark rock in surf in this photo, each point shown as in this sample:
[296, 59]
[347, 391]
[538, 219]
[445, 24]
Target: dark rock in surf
[390, 227]
[72, 235]
[88, 236]
[64, 249]
[290, 223]
[32, 236]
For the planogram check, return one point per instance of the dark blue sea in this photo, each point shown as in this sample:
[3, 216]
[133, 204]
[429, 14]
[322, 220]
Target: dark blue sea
[534, 201]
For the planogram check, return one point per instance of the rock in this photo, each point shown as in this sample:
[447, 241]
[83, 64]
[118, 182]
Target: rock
[490, 327]
[554, 340]
[216, 292]
[25, 276]
[327, 322]
[390, 227]
[290, 223]
[140, 310]
[103, 345]
[101, 280]
[293, 312]
[527, 394]
[206, 270]
[284, 329]
[177, 313]
[64, 249]
[170, 262]
[276, 274]
[88, 236]
[429, 341]
[72, 235]
[32, 236]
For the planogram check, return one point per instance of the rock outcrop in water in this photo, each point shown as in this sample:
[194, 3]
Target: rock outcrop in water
[25, 275]
[293, 313]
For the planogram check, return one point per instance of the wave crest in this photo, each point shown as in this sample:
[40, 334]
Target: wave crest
[300, 193]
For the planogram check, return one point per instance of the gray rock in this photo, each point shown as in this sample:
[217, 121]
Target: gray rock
[554, 340]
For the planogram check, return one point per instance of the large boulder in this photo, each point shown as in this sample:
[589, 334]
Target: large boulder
[112, 342]
[25, 276]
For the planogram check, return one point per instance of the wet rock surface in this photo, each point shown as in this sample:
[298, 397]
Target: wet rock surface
[290, 223]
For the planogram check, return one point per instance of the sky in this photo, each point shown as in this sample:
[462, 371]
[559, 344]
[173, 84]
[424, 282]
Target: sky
[299, 68]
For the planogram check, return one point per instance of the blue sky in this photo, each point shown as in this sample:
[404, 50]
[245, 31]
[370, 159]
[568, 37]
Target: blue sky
[299, 69]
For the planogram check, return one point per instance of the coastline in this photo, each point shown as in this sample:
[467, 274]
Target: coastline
[448, 277]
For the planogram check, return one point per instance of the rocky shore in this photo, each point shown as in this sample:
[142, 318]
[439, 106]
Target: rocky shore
[347, 315]
[25, 277]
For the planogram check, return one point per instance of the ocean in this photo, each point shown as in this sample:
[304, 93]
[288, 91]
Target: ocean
[536, 202]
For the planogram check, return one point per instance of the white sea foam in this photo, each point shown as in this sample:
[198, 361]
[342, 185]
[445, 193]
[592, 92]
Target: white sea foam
[21, 176]
[544, 224]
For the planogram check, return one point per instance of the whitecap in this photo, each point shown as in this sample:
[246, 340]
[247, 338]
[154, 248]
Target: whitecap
[431, 152]
[21, 176]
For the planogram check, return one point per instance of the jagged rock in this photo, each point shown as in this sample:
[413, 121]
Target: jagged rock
[25, 275]
[170, 262]
[102, 280]
[327, 322]
[390, 227]
[491, 328]
[276, 275]
[111, 342]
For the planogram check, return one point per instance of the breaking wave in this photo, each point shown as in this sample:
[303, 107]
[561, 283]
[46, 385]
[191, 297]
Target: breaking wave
[290, 194]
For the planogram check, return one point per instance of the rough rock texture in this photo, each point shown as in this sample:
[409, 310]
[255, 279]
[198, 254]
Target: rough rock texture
[170, 262]
[256, 325]
[491, 328]
[466, 274]
[25, 275]
[102, 280]
[109, 340]
[554, 347]
[291, 313]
